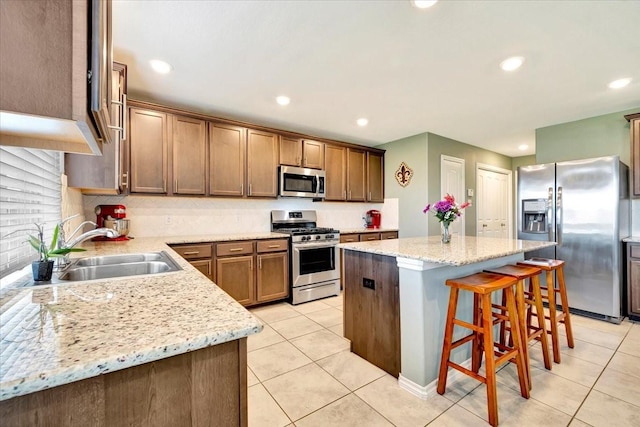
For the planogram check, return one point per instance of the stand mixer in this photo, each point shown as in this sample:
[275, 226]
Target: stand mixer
[112, 216]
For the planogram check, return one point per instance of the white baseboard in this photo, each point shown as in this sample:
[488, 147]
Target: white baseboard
[423, 392]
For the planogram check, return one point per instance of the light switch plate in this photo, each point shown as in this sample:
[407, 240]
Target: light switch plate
[469, 192]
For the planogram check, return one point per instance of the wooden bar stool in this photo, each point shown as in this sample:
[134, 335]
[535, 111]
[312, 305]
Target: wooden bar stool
[483, 285]
[524, 299]
[555, 317]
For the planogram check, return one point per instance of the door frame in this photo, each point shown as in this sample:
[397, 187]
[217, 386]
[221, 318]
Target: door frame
[460, 161]
[509, 174]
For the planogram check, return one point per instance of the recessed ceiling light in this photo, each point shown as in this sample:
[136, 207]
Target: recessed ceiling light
[362, 122]
[512, 64]
[424, 4]
[620, 83]
[283, 100]
[523, 147]
[160, 67]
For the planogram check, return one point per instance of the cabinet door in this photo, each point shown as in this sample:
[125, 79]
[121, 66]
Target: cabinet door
[227, 146]
[336, 184]
[635, 155]
[235, 276]
[349, 238]
[356, 175]
[313, 152]
[273, 276]
[204, 266]
[634, 287]
[375, 177]
[368, 237]
[262, 164]
[389, 235]
[189, 155]
[149, 148]
[290, 151]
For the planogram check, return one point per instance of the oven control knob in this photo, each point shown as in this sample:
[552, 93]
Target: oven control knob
[329, 236]
[318, 237]
[303, 238]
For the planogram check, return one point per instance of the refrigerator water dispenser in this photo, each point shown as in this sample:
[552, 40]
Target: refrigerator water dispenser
[534, 216]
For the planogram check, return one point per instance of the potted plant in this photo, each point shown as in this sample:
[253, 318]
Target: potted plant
[43, 268]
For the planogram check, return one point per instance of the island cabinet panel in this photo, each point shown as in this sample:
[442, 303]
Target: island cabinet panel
[149, 147]
[290, 151]
[262, 164]
[189, 140]
[227, 149]
[356, 175]
[336, 181]
[372, 308]
[313, 154]
[206, 387]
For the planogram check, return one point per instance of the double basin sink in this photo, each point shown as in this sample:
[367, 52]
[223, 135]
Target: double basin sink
[112, 266]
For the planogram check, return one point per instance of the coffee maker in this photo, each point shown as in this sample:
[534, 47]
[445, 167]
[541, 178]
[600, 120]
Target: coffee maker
[112, 216]
[373, 219]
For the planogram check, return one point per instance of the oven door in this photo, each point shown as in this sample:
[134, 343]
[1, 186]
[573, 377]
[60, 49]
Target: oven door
[314, 262]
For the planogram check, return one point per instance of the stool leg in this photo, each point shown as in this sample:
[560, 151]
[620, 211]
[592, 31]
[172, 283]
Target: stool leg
[537, 296]
[517, 345]
[477, 347]
[503, 325]
[490, 365]
[448, 339]
[565, 307]
[552, 316]
[520, 306]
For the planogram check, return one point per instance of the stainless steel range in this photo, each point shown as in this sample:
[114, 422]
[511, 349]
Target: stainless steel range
[314, 263]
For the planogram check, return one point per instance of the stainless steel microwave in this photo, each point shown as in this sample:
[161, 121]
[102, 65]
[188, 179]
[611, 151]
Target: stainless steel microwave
[301, 182]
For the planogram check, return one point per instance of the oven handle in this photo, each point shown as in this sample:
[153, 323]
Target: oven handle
[314, 245]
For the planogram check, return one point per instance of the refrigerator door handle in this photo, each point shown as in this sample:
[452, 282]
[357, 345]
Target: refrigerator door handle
[550, 229]
[559, 215]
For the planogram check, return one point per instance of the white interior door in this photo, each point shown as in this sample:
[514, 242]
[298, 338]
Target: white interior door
[493, 201]
[452, 182]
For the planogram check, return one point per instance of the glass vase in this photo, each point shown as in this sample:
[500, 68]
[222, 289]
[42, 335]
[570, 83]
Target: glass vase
[446, 237]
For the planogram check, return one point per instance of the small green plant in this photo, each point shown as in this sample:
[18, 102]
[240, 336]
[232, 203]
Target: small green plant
[50, 251]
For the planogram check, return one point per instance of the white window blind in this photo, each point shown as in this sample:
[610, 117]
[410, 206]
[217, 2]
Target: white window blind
[29, 194]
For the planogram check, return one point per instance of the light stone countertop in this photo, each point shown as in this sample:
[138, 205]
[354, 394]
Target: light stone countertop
[632, 239]
[366, 230]
[461, 250]
[53, 335]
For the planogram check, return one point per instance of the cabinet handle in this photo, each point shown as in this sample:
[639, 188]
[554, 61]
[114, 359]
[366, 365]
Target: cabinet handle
[369, 195]
[251, 264]
[124, 116]
[349, 194]
[371, 238]
[241, 188]
[344, 194]
[235, 249]
[260, 263]
[249, 189]
[164, 185]
[175, 186]
[123, 108]
[191, 253]
[124, 182]
[273, 246]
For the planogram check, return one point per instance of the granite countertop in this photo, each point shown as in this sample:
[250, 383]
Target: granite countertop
[204, 238]
[461, 250]
[53, 335]
[632, 239]
[365, 230]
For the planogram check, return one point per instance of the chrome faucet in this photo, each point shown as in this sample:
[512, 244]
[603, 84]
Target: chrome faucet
[63, 244]
[106, 232]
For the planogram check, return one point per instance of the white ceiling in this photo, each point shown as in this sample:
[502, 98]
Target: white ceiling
[407, 70]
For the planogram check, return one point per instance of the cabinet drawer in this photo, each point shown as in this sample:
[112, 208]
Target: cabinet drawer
[194, 251]
[368, 237]
[272, 245]
[635, 251]
[389, 235]
[236, 248]
[349, 238]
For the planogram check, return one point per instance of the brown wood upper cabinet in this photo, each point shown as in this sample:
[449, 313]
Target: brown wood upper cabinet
[634, 127]
[290, 151]
[262, 164]
[356, 175]
[313, 154]
[336, 180]
[189, 141]
[149, 151]
[227, 149]
[375, 177]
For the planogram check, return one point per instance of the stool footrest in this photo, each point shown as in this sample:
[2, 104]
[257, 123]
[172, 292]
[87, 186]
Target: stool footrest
[458, 343]
[467, 371]
[467, 325]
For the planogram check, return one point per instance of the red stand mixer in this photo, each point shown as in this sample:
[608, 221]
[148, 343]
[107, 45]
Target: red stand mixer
[112, 216]
[373, 219]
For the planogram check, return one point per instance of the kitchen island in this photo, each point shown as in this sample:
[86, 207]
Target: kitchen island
[395, 299]
[159, 349]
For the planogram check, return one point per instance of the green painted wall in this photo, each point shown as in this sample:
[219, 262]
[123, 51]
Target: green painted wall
[599, 136]
[439, 145]
[412, 198]
[516, 162]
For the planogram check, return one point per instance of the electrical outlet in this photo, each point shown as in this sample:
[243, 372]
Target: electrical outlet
[168, 220]
[368, 283]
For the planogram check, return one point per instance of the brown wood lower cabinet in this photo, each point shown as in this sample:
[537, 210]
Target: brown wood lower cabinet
[372, 308]
[206, 387]
[253, 272]
[198, 255]
[633, 280]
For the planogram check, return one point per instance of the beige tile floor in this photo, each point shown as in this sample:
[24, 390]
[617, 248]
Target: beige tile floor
[301, 373]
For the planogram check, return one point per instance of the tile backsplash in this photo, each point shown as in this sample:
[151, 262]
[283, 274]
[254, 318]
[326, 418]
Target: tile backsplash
[174, 216]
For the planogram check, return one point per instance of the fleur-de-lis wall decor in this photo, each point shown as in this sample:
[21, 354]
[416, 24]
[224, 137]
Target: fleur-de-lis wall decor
[404, 174]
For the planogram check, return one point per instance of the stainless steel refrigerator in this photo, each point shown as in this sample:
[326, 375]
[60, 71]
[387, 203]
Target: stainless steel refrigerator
[583, 206]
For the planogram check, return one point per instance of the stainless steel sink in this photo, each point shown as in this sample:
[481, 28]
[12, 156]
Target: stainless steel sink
[104, 267]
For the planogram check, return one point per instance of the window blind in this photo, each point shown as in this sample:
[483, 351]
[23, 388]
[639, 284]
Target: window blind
[29, 194]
